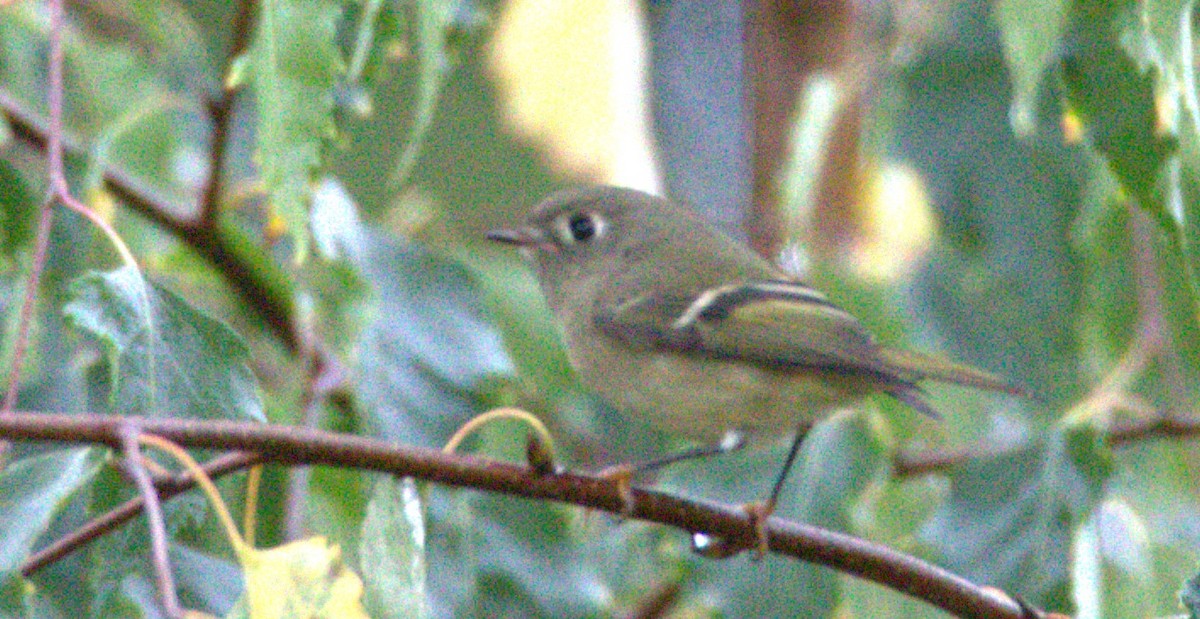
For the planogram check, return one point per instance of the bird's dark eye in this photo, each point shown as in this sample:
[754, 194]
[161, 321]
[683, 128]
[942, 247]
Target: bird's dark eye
[579, 227]
[582, 227]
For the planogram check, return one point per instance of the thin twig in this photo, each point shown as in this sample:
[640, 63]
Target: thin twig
[1162, 427]
[220, 110]
[246, 280]
[57, 181]
[128, 434]
[1151, 340]
[292, 445]
[99, 526]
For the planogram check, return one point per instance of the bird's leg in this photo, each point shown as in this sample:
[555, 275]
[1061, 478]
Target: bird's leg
[759, 511]
[622, 474]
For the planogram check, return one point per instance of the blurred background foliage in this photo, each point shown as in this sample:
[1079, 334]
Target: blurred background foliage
[1010, 183]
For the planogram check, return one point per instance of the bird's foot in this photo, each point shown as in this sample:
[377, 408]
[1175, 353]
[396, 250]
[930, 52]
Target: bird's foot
[759, 512]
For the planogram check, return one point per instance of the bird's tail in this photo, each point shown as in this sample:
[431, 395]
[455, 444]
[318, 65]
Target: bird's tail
[915, 367]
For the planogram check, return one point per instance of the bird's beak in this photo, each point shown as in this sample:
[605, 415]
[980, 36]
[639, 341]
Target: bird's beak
[525, 238]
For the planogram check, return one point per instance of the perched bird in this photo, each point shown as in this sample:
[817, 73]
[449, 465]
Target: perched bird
[672, 321]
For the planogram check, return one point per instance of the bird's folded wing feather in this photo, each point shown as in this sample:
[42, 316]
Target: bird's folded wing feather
[771, 323]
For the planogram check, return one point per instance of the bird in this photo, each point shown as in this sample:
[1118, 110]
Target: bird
[676, 323]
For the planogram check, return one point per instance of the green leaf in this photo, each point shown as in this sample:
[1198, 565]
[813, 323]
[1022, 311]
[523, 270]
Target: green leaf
[209, 582]
[1010, 517]
[442, 28]
[429, 346]
[840, 459]
[1030, 30]
[1110, 71]
[294, 64]
[164, 358]
[21, 598]
[1189, 596]
[1108, 310]
[1113, 571]
[392, 551]
[18, 211]
[34, 489]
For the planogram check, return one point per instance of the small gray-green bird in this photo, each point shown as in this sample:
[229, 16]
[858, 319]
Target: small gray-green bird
[671, 320]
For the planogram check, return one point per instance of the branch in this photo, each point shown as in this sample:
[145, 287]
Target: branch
[292, 445]
[1157, 428]
[249, 281]
[164, 579]
[97, 527]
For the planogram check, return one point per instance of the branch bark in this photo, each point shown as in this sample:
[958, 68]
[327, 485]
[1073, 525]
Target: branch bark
[293, 445]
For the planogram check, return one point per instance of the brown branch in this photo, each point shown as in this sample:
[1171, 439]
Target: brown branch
[1163, 427]
[246, 281]
[97, 527]
[219, 110]
[57, 182]
[931, 461]
[1144, 428]
[292, 445]
[128, 433]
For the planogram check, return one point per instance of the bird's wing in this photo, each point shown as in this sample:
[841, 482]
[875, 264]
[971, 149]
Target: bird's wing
[771, 323]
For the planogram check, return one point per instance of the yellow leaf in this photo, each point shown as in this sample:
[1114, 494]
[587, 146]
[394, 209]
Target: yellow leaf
[304, 579]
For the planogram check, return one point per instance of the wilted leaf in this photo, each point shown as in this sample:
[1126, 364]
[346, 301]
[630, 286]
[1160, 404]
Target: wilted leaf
[165, 358]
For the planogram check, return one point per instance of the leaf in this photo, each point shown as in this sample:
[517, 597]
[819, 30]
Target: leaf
[1112, 564]
[840, 458]
[429, 345]
[164, 358]
[306, 578]
[392, 551]
[1010, 517]
[1110, 71]
[294, 64]
[1189, 596]
[1030, 31]
[422, 342]
[209, 582]
[441, 29]
[33, 490]
[21, 598]
[18, 211]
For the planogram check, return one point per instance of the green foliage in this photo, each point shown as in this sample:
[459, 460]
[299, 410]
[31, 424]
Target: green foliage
[293, 63]
[392, 551]
[164, 358]
[1044, 132]
[35, 489]
[1190, 596]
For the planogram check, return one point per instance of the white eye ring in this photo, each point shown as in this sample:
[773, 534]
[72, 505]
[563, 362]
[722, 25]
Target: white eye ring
[580, 227]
